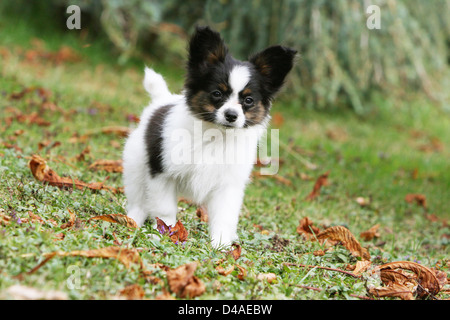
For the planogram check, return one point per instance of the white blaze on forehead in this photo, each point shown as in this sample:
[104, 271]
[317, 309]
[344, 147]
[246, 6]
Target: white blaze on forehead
[239, 77]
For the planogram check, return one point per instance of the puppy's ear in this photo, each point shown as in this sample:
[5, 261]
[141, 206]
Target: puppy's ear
[206, 48]
[273, 64]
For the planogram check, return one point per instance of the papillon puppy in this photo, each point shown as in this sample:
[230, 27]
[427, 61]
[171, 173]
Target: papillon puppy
[187, 145]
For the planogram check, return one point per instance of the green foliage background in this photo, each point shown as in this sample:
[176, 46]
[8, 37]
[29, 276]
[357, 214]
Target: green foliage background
[341, 61]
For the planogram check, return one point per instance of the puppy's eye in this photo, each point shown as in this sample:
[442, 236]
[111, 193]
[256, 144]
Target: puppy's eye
[248, 102]
[217, 95]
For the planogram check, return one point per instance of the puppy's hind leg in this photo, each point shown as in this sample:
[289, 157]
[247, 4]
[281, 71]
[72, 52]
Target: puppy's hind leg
[162, 200]
[136, 197]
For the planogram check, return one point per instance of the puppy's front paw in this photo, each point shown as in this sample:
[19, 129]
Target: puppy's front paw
[222, 243]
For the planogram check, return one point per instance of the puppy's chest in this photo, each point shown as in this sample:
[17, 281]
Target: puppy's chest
[210, 152]
[204, 162]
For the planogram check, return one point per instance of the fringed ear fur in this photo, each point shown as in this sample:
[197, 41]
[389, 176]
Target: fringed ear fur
[273, 64]
[206, 48]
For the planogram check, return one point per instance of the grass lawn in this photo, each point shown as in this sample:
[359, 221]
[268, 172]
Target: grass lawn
[399, 148]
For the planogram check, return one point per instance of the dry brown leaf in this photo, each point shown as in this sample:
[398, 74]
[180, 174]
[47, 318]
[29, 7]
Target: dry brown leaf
[107, 165]
[402, 291]
[342, 234]
[224, 272]
[202, 214]
[276, 177]
[337, 134]
[242, 272]
[132, 292]
[420, 199]
[82, 156]
[361, 266]
[42, 172]
[124, 255]
[389, 276]
[117, 218]
[178, 233]
[118, 130]
[71, 221]
[277, 119]
[371, 233]
[183, 283]
[48, 144]
[426, 278]
[306, 229]
[35, 218]
[319, 253]
[441, 276]
[236, 252]
[320, 182]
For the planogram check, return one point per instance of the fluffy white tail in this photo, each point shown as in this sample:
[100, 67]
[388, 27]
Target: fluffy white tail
[155, 85]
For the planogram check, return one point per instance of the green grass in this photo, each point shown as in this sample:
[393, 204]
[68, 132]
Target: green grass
[378, 157]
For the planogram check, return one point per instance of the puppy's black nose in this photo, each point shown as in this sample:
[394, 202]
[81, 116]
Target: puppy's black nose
[231, 115]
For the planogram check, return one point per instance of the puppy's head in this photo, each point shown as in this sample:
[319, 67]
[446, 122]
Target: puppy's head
[229, 92]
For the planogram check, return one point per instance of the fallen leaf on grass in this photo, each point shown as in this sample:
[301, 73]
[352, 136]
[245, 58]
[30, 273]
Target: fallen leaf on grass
[320, 182]
[4, 219]
[132, 292]
[202, 214]
[361, 266]
[337, 134]
[33, 118]
[342, 234]
[71, 221]
[277, 119]
[402, 291]
[306, 229]
[83, 155]
[177, 233]
[242, 272]
[319, 253]
[124, 255]
[107, 165]
[117, 218]
[420, 199]
[424, 280]
[183, 283]
[42, 172]
[236, 252]
[371, 233]
[63, 55]
[224, 272]
[433, 145]
[48, 145]
[276, 177]
[114, 130]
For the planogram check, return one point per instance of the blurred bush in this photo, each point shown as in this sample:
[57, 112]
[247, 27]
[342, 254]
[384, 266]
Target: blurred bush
[341, 61]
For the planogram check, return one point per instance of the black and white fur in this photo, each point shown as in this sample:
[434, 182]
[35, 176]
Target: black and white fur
[221, 95]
